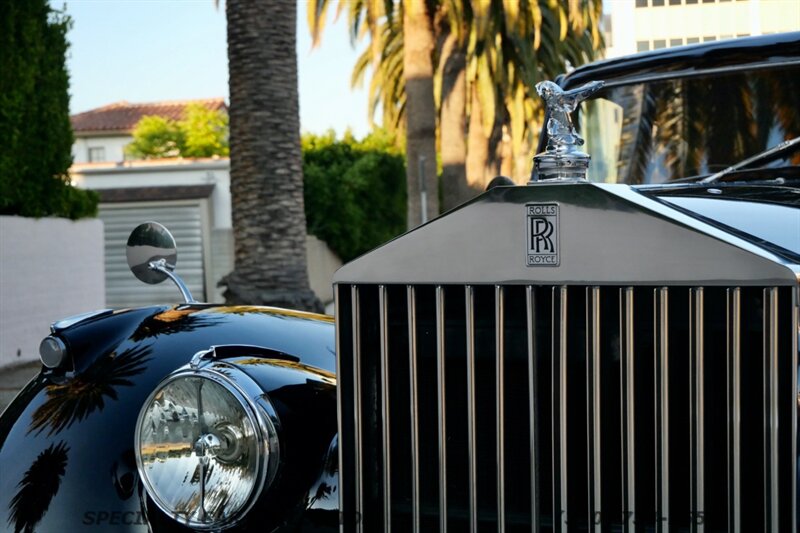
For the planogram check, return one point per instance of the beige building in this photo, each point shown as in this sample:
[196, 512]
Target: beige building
[640, 25]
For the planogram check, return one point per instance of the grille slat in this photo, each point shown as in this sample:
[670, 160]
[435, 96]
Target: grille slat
[560, 442]
[593, 395]
[627, 373]
[696, 315]
[771, 494]
[359, 438]
[385, 418]
[499, 319]
[565, 408]
[661, 388]
[442, 405]
[413, 372]
[472, 446]
[793, 402]
[530, 301]
[735, 406]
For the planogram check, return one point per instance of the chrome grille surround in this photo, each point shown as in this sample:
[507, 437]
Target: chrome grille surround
[475, 395]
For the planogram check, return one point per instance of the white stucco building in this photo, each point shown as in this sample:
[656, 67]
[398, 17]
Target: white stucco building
[639, 25]
[191, 197]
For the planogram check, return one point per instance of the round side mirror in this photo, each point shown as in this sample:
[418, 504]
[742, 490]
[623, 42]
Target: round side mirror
[151, 243]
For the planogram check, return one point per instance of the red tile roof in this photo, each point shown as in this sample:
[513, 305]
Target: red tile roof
[122, 116]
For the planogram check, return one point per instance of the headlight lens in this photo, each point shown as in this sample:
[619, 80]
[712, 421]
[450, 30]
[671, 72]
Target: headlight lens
[206, 446]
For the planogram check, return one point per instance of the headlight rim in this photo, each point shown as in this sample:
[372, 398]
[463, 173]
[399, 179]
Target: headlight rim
[258, 408]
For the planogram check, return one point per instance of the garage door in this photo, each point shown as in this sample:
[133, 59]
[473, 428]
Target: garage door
[186, 222]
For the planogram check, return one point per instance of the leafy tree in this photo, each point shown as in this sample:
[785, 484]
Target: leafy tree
[202, 132]
[355, 194]
[269, 223]
[35, 132]
[205, 131]
[155, 136]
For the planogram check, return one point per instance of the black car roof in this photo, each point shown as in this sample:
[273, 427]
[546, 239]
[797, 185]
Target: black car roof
[755, 52]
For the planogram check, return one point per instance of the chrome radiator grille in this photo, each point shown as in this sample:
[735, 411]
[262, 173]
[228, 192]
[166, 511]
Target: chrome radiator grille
[556, 408]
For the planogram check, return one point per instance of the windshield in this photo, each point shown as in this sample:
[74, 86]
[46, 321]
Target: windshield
[670, 129]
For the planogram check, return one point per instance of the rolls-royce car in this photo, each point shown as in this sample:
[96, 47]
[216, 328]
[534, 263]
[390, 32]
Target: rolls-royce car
[611, 347]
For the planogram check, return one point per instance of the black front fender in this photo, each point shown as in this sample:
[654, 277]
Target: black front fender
[66, 441]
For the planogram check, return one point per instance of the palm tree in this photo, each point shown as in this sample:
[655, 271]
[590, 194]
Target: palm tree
[453, 110]
[421, 178]
[269, 223]
[490, 54]
[401, 55]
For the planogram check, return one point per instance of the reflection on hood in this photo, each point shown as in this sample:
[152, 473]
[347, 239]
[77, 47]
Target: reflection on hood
[38, 487]
[76, 399]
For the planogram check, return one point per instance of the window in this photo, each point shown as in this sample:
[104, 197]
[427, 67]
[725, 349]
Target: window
[743, 35]
[691, 1]
[659, 43]
[708, 1]
[96, 154]
[674, 2]
[642, 46]
[713, 114]
[641, 3]
[692, 40]
[658, 3]
[675, 42]
[709, 38]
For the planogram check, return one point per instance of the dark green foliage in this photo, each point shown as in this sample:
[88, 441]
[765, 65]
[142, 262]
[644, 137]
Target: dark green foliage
[35, 133]
[355, 192]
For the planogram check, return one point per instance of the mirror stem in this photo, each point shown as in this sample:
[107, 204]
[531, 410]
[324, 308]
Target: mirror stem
[161, 266]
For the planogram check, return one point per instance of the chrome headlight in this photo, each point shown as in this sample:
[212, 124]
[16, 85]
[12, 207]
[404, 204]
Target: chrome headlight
[206, 445]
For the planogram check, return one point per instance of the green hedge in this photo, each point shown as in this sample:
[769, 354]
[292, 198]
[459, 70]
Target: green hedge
[35, 133]
[355, 192]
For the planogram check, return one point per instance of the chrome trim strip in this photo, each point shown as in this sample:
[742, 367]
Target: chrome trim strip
[339, 403]
[627, 390]
[562, 403]
[772, 502]
[412, 363]
[662, 334]
[359, 455]
[499, 320]
[472, 445]
[530, 298]
[735, 404]
[65, 323]
[593, 397]
[441, 407]
[385, 429]
[698, 411]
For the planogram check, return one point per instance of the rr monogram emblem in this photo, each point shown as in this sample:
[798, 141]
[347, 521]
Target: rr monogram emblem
[542, 235]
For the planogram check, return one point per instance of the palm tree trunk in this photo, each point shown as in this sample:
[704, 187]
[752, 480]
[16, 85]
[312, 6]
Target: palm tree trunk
[420, 112]
[452, 124]
[269, 223]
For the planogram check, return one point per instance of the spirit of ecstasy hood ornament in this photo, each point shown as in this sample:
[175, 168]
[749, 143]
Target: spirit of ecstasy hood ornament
[562, 159]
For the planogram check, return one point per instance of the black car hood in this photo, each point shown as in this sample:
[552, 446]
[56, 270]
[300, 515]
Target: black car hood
[766, 215]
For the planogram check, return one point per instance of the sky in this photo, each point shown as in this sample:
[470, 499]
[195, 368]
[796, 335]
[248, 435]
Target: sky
[152, 50]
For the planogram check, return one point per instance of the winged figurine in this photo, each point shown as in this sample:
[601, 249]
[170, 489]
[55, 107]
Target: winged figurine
[561, 103]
